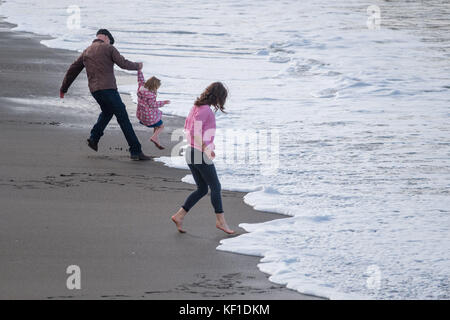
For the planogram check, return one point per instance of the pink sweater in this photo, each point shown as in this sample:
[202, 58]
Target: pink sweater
[201, 122]
[147, 109]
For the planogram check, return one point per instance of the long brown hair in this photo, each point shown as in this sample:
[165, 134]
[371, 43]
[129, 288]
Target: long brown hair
[214, 95]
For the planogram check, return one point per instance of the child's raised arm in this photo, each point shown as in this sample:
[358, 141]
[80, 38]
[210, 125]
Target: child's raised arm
[141, 80]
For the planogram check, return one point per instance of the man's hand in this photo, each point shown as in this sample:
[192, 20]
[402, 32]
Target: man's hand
[141, 65]
[166, 101]
[61, 95]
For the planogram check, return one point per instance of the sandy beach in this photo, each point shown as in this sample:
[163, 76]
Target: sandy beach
[63, 204]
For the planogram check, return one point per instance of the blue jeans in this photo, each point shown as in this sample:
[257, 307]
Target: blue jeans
[205, 175]
[111, 105]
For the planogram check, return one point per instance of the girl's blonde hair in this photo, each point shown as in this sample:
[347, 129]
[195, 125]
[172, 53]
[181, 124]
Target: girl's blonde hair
[152, 84]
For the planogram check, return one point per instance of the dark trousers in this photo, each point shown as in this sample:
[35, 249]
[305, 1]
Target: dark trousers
[205, 175]
[111, 105]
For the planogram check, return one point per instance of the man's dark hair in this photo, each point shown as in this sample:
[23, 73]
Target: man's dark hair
[106, 33]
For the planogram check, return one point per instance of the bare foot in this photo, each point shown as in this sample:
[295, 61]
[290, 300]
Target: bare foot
[222, 224]
[160, 147]
[178, 222]
[225, 228]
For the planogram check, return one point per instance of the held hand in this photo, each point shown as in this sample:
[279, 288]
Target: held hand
[141, 65]
[167, 102]
[61, 95]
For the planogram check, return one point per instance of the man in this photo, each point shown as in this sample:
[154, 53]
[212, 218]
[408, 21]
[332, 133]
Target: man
[99, 59]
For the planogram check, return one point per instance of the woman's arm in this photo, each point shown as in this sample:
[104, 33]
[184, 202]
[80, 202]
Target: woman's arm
[209, 131]
[204, 132]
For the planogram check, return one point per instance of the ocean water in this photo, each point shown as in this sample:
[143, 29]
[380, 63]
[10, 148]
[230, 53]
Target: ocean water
[360, 112]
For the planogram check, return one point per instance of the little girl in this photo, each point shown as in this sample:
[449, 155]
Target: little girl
[148, 111]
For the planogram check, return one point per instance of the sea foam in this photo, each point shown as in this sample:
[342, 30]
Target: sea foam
[363, 117]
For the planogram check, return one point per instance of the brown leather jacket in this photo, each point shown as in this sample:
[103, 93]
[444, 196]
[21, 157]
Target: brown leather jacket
[99, 59]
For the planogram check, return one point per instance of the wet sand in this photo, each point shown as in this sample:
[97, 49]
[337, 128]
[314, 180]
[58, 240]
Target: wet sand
[63, 204]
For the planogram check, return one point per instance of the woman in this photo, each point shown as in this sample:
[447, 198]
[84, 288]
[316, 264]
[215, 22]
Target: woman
[200, 129]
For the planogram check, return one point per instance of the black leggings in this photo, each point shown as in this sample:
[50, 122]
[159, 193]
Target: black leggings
[204, 173]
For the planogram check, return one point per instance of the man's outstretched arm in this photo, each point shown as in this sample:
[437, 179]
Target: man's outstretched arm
[122, 62]
[71, 75]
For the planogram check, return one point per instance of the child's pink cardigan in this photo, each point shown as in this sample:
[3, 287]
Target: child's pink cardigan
[147, 109]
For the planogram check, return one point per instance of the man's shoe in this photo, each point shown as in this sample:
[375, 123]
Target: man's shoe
[92, 144]
[139, 157]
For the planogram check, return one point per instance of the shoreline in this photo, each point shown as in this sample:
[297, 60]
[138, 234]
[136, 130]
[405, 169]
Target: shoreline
[67, 204]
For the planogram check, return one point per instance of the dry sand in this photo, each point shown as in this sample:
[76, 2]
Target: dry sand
[63, 204]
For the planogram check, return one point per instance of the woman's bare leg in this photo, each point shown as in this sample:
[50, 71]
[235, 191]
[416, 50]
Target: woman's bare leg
[177, 218]
[222, 224]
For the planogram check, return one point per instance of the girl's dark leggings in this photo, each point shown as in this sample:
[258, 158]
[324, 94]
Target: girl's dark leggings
[205, 175]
